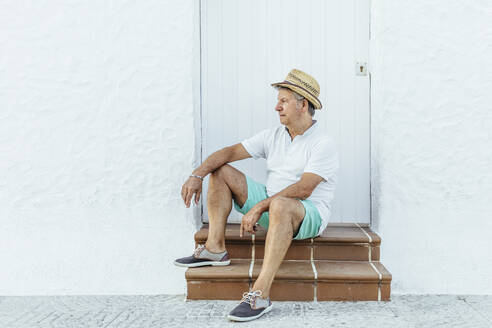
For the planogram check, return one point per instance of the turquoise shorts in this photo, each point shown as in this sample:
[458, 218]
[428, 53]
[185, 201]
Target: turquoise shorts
[257, 192]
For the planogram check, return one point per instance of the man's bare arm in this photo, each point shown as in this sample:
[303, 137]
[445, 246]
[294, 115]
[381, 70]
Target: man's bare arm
[220, 157]
[301, 189]
[193, 186]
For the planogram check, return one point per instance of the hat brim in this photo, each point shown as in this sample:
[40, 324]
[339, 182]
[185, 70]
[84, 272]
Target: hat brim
[300, 90]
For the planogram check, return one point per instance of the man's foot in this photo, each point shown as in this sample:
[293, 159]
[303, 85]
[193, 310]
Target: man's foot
[252, 306]
[202, 257]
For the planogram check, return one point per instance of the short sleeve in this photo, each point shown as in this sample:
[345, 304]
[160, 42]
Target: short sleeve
[256, 146]
[323, 160]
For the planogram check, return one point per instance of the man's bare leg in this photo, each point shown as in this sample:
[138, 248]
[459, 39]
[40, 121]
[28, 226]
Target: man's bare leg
[285, 218]
[225, 183]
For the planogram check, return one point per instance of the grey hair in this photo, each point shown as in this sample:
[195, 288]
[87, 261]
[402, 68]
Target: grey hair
[300, 98]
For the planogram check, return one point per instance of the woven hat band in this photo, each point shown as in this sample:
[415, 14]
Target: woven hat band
[306, 86]
[295, 85]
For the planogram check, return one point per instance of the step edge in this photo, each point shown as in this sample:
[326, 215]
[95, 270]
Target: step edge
[249, 242]
[324, 280]
[376, 239]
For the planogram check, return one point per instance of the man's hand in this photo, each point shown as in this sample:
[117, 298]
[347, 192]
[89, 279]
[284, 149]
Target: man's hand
[249, 220]
[191, 186]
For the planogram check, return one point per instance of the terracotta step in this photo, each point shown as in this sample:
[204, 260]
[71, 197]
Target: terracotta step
[303, 280]
[339, 241]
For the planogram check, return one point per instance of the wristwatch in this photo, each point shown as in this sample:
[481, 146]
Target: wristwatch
[197, 176]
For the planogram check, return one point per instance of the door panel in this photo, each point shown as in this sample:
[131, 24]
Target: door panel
[246, 45]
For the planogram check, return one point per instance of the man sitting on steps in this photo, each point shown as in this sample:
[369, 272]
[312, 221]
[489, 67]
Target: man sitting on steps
[302, 165]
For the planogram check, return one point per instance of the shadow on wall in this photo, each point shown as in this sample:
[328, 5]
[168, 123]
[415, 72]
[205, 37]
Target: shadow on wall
[375, 195]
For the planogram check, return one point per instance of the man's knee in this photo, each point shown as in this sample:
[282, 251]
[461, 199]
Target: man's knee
[279, 204]
[284, 209]
[234, 179]
[220, 172]
[280, 209]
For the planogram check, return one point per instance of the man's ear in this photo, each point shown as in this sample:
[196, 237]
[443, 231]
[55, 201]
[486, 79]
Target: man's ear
[305, 104]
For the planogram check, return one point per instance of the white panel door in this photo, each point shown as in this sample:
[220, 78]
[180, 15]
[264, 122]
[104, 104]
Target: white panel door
[246, 45]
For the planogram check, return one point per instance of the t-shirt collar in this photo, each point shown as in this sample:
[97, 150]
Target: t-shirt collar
[308, 131]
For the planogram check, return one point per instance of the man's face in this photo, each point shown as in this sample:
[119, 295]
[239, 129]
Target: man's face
[287, 107]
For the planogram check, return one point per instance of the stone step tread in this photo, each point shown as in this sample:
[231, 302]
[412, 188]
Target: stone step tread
[301, 270]
[335, 233]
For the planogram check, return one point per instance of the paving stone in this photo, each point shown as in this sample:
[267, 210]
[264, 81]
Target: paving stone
[172, 310]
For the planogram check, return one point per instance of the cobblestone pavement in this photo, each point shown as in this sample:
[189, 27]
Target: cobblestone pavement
[172, 311]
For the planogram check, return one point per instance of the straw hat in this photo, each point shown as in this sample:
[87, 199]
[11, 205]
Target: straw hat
[304, 84]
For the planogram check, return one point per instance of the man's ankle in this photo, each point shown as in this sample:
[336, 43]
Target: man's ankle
[264, 295]
[215, 249]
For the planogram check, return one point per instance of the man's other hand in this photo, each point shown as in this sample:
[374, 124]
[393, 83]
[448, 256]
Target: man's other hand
[192, 186]
[249, 220]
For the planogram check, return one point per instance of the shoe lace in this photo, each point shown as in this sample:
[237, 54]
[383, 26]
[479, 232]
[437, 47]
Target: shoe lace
[198, 250]
[249, 297]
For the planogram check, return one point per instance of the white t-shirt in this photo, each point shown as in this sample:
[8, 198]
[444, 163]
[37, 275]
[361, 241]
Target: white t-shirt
[313, 151]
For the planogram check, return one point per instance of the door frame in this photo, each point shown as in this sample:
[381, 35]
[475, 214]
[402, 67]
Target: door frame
[197, 102]
[197, 82]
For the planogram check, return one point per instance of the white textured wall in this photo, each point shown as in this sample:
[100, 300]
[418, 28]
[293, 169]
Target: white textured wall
[432, 143]
[96, 137]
